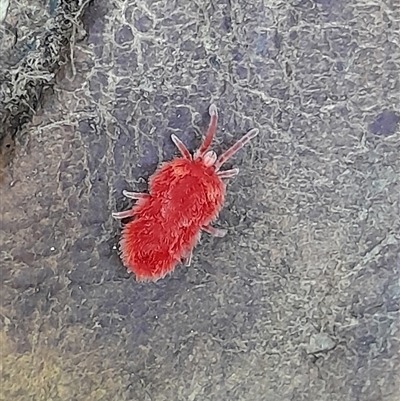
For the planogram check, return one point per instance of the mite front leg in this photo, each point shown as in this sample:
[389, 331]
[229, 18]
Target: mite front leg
[237, 146]
[210, 132]
[215, 232]
[228, 173]
[181, 147]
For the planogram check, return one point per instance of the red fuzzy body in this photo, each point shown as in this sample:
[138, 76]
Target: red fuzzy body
[185, 195]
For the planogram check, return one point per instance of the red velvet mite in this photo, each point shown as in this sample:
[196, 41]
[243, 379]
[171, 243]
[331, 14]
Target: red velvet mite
[185, 196]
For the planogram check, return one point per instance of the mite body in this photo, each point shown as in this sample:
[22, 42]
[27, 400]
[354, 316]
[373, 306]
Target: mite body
[185, 196]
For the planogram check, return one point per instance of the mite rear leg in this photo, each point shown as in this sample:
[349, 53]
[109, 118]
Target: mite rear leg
[130, 212]
[215, 232]
[181, 147]
[228, 173]
[135, 195]
[187, 259]
[123, 215]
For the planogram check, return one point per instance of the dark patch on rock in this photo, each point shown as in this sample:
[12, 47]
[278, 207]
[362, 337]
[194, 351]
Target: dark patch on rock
[143, 24]
[385, 123]
[124, 35]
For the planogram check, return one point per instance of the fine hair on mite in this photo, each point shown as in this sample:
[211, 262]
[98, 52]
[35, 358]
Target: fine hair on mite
[185, 196]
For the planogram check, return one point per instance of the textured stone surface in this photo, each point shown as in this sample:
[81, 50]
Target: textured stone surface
[300, 301]
[37, 37]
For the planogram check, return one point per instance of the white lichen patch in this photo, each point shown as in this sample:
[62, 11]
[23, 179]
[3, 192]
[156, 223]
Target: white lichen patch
[3, 9]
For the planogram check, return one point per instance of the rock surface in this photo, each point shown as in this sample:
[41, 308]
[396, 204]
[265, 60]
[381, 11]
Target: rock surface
[300, 301]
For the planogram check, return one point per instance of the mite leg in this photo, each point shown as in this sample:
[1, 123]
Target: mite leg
[187, 260]
[210, 132]
[237, 146]
[123, 215]
[130, 195]
[228, 173]
[135, 195]
[181, 147]
[215, 232]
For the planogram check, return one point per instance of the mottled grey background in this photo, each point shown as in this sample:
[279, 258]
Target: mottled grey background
[300, 301]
